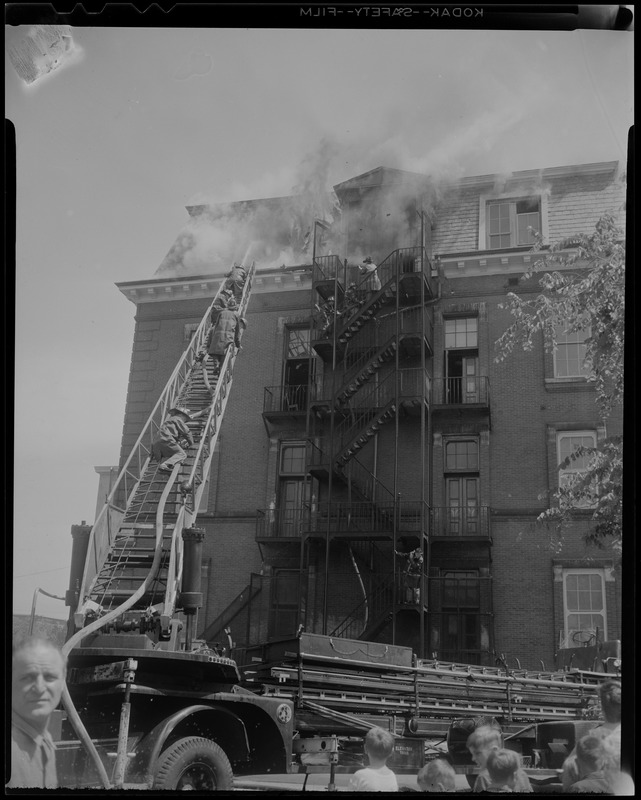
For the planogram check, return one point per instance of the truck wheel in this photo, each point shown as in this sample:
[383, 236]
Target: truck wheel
[193, 763]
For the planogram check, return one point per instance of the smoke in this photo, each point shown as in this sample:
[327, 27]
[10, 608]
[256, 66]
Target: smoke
[283, 230]
[279, 230]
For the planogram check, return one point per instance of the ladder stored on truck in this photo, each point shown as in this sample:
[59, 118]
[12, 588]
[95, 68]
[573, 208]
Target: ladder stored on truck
[134, 564]
[355, 684]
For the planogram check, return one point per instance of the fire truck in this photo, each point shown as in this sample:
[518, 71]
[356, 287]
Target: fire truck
[148, 705]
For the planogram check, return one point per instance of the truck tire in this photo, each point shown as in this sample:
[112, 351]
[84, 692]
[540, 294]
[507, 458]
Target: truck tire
[193, 763]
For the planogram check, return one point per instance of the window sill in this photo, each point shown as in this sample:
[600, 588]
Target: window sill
[568, 384]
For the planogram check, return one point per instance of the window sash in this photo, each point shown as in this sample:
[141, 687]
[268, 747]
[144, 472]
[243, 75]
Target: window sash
[461, 333]
[567, 442]
[292, 458]
[569, 353]
[584, 603]
[298, 343]
[508, 222]
[462, 455]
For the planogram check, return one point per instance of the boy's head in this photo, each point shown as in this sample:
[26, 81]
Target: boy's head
[610, 696]
[437, 776]
[502, 766]
[589, 754]
[482, 741]
[379, 744]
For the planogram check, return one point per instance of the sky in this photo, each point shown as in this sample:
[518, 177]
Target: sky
[138, 123]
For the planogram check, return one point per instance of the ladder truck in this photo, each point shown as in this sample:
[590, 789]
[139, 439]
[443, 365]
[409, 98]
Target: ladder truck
[151, 706]
[147, 705]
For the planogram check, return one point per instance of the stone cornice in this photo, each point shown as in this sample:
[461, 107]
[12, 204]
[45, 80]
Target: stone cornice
[191, 287]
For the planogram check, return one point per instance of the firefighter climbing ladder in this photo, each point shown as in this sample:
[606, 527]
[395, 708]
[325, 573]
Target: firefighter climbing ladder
[133, 569]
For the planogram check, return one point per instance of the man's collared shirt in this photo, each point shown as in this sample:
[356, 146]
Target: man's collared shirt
[33, 757]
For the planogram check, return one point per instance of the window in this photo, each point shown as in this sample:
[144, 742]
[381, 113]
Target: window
[296, 370]
[285, 593]
[298, 342]
[583, 606]
[461, 332]
[569, 354]
[460, 607]
[292, 458]
[569, 442]
[462, 381]
[462, 490]
[462, 455]
[513, 222]
[294, 488]
[190, 329]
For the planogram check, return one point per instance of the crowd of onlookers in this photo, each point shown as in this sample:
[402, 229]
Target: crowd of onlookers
[593, 766]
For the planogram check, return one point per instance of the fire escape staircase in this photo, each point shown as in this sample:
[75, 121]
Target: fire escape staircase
[133, 570]
[375, 407]
[374, 611]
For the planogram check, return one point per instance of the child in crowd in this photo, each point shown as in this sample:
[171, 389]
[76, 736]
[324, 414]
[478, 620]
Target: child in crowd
[610, 729]
[481, 743]
[377, 777]
[502, 767]
[590, 758]
[437, 776]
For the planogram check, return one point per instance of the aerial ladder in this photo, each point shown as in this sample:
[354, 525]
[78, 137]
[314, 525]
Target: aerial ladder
[134, 566]
[148, 704]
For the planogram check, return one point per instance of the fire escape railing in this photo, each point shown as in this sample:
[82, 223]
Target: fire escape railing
[287, 397]
[460, 521]
[461, 390]
[342, 516]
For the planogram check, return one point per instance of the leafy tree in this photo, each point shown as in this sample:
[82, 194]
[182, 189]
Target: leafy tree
[582, 289]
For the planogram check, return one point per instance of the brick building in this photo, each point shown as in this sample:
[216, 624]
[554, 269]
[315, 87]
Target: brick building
[366, 424]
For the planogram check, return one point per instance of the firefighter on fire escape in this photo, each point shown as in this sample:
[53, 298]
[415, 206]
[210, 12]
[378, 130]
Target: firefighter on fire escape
[411, 589]
[370, 283]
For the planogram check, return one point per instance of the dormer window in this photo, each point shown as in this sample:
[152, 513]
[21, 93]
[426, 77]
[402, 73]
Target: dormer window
[511, 220]
[512, 223]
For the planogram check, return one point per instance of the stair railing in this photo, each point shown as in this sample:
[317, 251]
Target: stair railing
[377, 602]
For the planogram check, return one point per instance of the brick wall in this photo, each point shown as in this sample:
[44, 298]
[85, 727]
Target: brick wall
[517, 451]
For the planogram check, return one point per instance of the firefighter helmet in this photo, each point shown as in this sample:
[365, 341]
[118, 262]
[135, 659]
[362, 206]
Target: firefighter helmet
[367, 260]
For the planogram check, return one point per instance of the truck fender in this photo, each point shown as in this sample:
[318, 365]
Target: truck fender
[152, 744]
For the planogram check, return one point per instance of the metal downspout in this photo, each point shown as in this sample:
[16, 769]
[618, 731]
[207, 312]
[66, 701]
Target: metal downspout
[331, 452]
[396, 428]
[425, 541]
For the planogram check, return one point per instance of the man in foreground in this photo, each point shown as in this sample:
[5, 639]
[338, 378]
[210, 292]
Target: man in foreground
[37, 680]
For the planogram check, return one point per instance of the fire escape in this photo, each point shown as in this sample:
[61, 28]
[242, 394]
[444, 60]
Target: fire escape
[356, 530]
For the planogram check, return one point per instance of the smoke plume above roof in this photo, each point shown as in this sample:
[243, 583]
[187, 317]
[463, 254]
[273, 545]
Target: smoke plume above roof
[279, 231]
